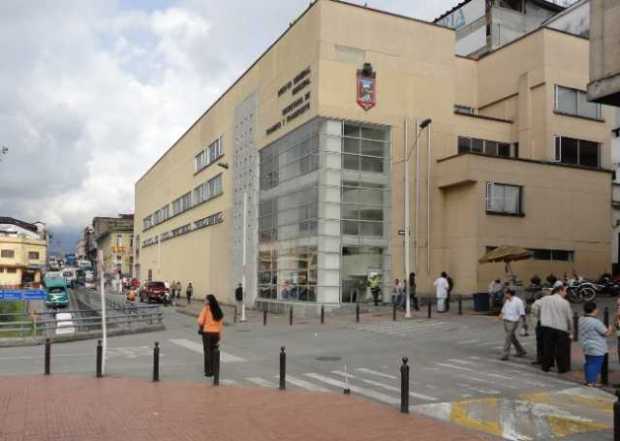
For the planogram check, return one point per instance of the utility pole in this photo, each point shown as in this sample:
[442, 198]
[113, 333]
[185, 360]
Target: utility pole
[104, 327]
[244, 253]
[419, 127]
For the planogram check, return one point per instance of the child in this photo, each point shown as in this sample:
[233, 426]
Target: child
[593, 336]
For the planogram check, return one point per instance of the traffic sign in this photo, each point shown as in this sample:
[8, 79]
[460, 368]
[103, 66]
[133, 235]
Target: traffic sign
[22, 294]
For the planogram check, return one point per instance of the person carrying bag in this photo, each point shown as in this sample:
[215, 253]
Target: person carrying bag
[210, 324]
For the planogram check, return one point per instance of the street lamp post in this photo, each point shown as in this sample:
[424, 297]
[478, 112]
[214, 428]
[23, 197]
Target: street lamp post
[419, 127]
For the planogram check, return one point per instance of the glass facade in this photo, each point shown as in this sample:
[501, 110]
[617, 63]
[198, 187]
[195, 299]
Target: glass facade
[323, 216]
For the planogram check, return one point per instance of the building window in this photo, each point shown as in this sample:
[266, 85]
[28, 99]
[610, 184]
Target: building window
[504, 199]
[576, 151]
[547, 254]
[459, 108]
[7, 254]
[33, 255]
[364, 148]
[11, 270]
[208, 190]
[290, 274]
[491, 148]
[209, 155]
[575, 102]
[362, 209]
[147, 222]
[182, 204]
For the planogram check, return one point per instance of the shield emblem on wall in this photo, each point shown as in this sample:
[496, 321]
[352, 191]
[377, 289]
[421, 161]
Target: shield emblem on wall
[366, 87]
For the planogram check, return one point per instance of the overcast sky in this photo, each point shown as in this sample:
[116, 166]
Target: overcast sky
[93, 92]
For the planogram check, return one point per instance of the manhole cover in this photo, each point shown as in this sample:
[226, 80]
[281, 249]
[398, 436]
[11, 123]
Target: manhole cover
[329, 358]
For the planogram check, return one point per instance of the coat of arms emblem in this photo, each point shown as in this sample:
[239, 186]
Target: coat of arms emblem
[366, 87]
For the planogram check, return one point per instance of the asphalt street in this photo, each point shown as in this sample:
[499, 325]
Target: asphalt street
[456, 374]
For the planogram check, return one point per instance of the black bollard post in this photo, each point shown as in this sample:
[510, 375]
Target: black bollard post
[156, 362]
[460, 305]
[48, 350]
[357, 312]
[322, 314]
[617, 416]
[575, 327]
[605, 367]
[394, 313]
[99, 359]
[216, 367]
[264, 317]
[290, 316]
[404, 386]
[430, 306]
[282, 368]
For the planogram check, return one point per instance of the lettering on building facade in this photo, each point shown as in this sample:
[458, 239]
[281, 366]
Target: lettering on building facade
[299, 105]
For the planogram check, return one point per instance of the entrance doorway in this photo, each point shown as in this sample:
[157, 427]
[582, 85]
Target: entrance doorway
[358, 262]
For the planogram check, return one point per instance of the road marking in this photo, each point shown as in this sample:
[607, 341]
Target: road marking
[480, 390]
[377, 373]
[227, 382]
[387, 399]
[385, 386]
[197, 347]
[261, 382]
[305, 384]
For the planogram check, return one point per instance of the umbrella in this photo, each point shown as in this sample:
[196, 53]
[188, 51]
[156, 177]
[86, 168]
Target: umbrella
[505, 253]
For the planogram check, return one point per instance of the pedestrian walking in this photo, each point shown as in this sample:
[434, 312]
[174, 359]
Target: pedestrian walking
[556, 323]
[412, 292]
[189, 291]
[450, 288]
[441, 291]
[374, 282]
[178, 289]
[512, 313]
[538, 330]
[397, 293]
[593, 337]
[239, 295]
[210, 324]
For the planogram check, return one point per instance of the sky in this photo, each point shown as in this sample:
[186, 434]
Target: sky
[93, 92]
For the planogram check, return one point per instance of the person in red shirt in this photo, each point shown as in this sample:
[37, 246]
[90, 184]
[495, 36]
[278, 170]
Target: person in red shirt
[210, 324]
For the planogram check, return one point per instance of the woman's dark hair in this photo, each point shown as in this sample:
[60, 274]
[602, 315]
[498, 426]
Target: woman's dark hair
[589, 307]
[216, 311]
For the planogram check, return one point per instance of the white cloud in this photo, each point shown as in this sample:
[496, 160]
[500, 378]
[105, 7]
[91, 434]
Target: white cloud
[92, 93]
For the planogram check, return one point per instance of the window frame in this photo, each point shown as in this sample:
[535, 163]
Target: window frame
[461, 147]
[7, 251]
[489, 197]
[577, 113]
[558, 151]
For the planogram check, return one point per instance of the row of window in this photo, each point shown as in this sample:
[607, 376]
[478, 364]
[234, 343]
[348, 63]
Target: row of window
[364, 148]
[548, 254]
[10, 254]
[205, 191]
[209, 155]
[8, 270]
[575, 102]
[492, 148]
[213, 219]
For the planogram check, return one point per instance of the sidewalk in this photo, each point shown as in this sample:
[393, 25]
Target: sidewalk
[80, 408]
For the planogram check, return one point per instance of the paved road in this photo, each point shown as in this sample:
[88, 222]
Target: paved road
[456, 374]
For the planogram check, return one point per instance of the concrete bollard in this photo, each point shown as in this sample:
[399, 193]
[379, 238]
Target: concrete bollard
[99, 359]
[575, 327]
[460, 305]
[282, 368]
[404, 386]
[216, 367]
[48, 350]
[605, 367]
[394, 312]
[156, 362]
[235, 315]
[347, 388]
[430, 306]
[265, 317]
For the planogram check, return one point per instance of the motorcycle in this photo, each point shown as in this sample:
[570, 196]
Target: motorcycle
[608, 286]
[580, 291]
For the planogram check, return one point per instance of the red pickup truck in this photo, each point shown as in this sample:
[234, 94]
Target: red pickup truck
[154, 291]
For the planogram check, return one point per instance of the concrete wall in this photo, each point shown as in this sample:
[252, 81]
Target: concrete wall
[604, 84]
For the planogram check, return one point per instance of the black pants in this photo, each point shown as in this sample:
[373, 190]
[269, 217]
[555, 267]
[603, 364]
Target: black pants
[556, 348]
[189, 298]
[539, 343]
[210, 342]
[448, 301]
[375, 296]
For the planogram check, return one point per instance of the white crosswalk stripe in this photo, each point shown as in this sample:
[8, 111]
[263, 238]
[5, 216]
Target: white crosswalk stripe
[261, 382]
[197, 347]
[377, 373]
[228, 382]
[385, 386]
[303, 384]
[369, 393]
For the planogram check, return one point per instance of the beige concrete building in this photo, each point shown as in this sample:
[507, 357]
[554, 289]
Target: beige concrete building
[114, 237]
[23, 253]
[604, 86]
[312, 140]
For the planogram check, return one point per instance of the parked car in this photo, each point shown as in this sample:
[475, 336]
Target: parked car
[154, 291]
[70, 276]
[57, 293]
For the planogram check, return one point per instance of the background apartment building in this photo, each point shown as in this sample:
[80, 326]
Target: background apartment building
[114, 237]
[307, 150]
[23, 252]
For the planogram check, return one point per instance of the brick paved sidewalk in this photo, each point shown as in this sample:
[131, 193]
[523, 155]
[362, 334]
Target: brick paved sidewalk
[68, 408]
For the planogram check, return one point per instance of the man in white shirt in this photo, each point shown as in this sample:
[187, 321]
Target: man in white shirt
[441, 290]
[512, 313]
[557, 323]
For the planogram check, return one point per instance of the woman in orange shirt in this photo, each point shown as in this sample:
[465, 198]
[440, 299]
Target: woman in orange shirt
[210, 323]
